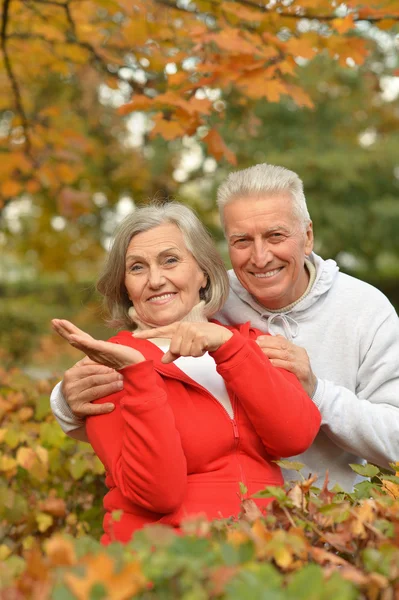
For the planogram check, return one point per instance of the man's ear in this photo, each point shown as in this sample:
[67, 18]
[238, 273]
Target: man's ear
[309, 238]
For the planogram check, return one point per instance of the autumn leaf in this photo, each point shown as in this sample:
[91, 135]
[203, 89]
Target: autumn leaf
[60, 551]
[343, 25]
[168, 129]
[218, 148]
[100, 569]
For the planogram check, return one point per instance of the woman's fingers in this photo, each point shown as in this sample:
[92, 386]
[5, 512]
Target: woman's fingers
[166, 331]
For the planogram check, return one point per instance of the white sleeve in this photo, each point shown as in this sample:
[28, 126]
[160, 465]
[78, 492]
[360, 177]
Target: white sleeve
[366, 423]
[63, 414]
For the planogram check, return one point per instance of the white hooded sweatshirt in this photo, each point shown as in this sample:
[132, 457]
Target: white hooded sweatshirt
[351, 334]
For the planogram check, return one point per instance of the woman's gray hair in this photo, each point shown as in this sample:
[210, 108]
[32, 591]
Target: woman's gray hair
[198, 241]
[260, 180]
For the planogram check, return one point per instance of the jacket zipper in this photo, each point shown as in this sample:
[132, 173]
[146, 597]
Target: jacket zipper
[233, 421]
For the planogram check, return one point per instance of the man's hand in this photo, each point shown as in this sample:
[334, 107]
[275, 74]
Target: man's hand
[188, 339]
[88, 381]
[286, 355]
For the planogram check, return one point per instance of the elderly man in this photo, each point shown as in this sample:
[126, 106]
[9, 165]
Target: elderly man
[339, 335]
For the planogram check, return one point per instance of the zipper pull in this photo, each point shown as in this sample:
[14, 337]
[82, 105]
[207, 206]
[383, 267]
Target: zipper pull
[235, 429]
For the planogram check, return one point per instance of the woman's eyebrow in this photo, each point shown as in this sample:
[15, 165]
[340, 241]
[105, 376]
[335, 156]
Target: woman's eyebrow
[139, 257]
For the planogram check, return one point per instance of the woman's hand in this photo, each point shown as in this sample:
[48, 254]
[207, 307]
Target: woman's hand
[188, 339]
[111, 355]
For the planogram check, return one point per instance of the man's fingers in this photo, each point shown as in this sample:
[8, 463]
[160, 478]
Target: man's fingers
[92, 368]
[270, 341]
[90, 410]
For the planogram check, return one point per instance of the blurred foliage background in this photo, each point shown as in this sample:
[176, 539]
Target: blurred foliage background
[54, 231]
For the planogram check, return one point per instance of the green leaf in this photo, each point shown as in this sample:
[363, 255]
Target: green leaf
[288, 464]
[98, 592]
[116, 515]
[42, 408]
[362, 490]
[272, 491]
[243, 489]
[365, 470]
[306, 584]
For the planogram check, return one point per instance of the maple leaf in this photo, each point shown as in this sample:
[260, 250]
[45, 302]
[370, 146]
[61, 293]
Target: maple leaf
[217, 147]
[100, 569]
[167, 128]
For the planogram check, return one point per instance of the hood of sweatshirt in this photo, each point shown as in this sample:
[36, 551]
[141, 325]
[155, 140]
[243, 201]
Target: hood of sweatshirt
[326, 272]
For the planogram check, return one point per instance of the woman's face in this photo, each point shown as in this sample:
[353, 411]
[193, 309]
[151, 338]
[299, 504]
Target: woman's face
[162, 278]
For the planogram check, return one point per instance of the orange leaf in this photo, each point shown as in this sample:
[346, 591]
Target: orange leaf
[302, 47]
[169, 130]
[101, 569]
[10, 188]
[60, 551]
[343, 25]
[218, 148]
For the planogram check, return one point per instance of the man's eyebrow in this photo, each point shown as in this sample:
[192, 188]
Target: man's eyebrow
[238, 235]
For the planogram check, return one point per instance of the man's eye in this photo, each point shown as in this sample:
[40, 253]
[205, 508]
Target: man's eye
[241, 243]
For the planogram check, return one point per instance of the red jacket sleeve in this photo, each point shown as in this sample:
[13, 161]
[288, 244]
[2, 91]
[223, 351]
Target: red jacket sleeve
[283, 415]
[138, 442]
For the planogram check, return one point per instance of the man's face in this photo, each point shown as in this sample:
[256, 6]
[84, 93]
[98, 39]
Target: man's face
[267, 247]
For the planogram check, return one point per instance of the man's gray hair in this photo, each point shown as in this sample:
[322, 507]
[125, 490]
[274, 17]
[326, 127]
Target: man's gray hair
[198, 241]
[261, 180]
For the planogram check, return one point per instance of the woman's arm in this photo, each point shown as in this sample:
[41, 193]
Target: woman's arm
[283, 415]
[138, 442]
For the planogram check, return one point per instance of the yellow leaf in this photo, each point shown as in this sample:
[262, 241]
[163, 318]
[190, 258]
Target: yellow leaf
[5, 552]
[26, 458]
[236, 538]
[391, 488]
[44, 521]
[101, 569]
[363, 515]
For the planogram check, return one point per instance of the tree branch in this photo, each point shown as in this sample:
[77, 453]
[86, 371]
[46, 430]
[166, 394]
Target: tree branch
[12, 78]
[265, 9]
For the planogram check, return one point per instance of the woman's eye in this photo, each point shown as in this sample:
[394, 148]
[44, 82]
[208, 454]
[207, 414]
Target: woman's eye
[135, 268]
[171, 260]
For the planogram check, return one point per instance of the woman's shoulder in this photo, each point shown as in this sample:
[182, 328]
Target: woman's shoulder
[245, 329]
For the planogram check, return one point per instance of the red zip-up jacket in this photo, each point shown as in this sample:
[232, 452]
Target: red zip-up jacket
[171, 450]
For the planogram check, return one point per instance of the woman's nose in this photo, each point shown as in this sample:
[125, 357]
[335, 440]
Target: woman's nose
[156, 278]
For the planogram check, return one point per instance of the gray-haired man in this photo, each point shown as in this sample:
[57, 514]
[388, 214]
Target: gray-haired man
[339, 335]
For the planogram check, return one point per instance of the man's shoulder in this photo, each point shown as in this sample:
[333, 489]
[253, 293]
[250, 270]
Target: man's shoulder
[357, 290]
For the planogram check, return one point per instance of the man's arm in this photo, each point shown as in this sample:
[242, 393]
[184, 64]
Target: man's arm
[83, 383]
[366, 422]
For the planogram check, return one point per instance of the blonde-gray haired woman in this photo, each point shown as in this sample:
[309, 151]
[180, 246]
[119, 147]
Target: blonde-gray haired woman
[202, 408]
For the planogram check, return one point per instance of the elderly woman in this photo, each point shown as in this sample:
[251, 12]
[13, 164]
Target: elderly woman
[202, 408]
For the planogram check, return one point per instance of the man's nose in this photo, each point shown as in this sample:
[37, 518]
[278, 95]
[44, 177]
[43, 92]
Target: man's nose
[261, 255]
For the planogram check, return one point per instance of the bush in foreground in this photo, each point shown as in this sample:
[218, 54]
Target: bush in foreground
[311, 544]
